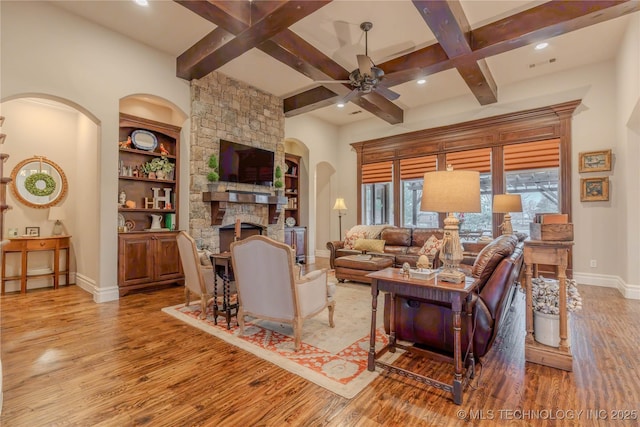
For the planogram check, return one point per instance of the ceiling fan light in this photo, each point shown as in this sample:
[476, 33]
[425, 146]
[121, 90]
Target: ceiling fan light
[340, 105]
[541, 46]
[421, 81]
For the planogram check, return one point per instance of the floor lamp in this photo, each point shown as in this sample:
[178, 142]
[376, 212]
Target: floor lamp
[448, 192]
[340, 207]
[506, 203]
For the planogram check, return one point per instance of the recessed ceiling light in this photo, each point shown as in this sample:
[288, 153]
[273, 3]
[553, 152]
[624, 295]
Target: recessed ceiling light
[340, 105]
[541, 46]
[421, 81]
[142, 2]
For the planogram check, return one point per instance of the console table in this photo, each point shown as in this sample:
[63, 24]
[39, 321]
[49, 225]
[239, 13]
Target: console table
[457, 294]
[25, 245]
[551, 253]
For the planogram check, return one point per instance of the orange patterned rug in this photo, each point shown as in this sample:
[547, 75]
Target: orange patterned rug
[334, 358]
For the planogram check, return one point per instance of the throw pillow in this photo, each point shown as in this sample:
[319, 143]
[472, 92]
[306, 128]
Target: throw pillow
[431, 246]
[369, 245]
[351, 237]
[205, 259]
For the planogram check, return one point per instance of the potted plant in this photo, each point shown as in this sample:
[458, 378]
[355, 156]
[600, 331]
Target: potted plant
[546, 308]
[213, 176]
[160, 166]
[278, 182]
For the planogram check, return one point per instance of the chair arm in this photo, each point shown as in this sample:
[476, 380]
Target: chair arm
[311, 276]
[312, 292]
[333, 246]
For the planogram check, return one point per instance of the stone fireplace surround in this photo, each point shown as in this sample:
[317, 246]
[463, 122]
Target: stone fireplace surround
[223, 108]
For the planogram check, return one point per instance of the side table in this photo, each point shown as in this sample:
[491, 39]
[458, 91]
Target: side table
[223, 269]
[551, 253]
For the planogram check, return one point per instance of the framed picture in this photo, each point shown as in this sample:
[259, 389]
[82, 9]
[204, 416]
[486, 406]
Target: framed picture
[32, 231]
[594, 189]
[595, 161]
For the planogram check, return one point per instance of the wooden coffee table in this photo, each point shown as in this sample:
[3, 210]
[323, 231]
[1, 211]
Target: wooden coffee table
[458, 295]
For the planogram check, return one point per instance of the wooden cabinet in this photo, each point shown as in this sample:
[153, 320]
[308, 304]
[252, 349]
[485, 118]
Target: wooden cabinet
[145, 194]
[296, 237]
[292, 188]
[148, 259]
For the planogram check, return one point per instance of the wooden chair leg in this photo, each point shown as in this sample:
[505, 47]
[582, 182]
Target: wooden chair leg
[240, 316]
[187, 296]
[297, 334]
[332, 308]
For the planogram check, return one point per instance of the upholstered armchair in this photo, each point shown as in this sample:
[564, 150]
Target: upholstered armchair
[269, 287]
[198, 279]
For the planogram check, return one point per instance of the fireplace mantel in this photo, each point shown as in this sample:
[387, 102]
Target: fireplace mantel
[219, 200]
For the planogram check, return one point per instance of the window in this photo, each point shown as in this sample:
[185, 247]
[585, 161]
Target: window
[412, 177]
[532, 170]
[377, 191]
[474, 225]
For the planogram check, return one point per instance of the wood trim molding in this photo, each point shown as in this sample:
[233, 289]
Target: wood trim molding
[538, 124]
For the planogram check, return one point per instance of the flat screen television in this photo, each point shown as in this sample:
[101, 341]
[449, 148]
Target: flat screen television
[245, 164]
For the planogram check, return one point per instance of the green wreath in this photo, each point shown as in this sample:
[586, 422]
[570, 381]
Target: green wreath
[49, 184]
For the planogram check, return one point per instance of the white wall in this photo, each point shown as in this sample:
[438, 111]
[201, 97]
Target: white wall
[46, 50]
[320, 138]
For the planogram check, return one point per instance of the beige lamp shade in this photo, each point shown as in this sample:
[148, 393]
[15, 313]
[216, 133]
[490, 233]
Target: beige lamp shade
[56, 213]
[340, 206]
[505, 203]
[451, 191]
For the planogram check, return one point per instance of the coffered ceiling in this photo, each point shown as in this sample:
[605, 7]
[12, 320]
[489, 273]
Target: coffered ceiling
[462, 48]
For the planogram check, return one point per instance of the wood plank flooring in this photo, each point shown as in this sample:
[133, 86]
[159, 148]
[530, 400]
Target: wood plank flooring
[69, 361]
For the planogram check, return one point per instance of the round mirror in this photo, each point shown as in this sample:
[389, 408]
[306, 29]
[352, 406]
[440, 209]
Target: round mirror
[38, 182]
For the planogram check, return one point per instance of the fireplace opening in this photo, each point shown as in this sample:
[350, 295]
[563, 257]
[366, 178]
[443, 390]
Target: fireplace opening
[227, 233]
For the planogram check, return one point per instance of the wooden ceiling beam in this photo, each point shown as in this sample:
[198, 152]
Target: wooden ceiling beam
[449, 24]
[285, 14]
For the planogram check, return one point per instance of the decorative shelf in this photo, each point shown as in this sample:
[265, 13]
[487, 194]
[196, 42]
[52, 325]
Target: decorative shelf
[146, 210]
[219, 199]
[147, 153]
[138, 178]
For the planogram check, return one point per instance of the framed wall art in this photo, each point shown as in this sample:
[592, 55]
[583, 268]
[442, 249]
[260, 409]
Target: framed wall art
[595, 161]
[594, 189]
[32, 231]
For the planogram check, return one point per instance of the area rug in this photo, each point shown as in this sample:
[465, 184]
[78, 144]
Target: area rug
[333, 358]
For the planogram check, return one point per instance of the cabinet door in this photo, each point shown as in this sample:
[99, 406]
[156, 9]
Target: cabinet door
[301, 243]
[167, 258]
[135, 259]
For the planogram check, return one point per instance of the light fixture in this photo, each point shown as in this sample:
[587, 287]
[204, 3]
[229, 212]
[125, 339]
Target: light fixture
[142, 2]
[340, 207]
[448, 192]
[340, 105]
[541, 46]
[506, 203]
[421, 81]
[56, 213]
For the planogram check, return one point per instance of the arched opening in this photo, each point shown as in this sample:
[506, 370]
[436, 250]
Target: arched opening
[68, 135]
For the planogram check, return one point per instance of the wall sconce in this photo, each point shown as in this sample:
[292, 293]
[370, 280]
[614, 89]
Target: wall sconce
[340, 207]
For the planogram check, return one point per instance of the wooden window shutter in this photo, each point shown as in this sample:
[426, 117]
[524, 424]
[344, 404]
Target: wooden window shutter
[415, 168]
[473, 160]
[373, 173]
[532, 155]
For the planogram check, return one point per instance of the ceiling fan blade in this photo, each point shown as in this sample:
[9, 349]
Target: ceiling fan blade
[387, 93]
[332, 81]
[364, 65]
[348, 97]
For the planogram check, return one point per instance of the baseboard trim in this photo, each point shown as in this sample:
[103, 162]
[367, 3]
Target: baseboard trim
[100, 295]
[629, 291]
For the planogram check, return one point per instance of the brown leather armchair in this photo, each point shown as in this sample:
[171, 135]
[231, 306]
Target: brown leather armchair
[428, 324]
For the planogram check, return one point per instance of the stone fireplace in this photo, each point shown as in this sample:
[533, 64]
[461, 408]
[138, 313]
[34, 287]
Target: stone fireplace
[227, 233]
[223, 108]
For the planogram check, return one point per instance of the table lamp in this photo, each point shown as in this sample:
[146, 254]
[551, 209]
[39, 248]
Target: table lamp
[340, 207]
[448, 192]
[56, 213]
[506, 203]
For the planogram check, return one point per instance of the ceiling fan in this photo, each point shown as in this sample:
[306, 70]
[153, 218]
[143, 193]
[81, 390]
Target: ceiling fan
[366, 78]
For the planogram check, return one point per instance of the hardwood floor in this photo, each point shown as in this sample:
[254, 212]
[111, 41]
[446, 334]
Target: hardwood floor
[69, 361]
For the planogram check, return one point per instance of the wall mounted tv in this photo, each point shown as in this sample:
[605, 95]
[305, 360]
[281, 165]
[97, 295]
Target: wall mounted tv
[245, 164]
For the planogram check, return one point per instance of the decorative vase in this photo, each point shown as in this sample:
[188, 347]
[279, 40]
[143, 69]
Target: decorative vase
[546, 328]
[160, 174]
[155, 222]
[215, 187]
